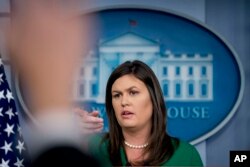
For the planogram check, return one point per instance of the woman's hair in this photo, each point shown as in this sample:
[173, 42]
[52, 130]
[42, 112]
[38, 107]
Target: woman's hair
[160, 146]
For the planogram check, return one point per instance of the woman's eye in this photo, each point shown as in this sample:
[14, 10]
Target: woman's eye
[116, 96]
[133, 93]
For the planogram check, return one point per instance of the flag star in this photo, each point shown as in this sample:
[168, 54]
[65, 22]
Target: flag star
[10, 113]
[19, 163]
[1, 78]
[2, 95]
[12, 152]
[9, 129]
[19, 130]
[9, 95]
[4, 163]
[7, 147]
[20, 146]
[1, 111]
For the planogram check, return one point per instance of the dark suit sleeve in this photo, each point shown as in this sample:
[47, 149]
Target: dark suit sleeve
[64, 156]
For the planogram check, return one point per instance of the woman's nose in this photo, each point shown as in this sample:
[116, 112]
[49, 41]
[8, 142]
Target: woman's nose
[125, 100]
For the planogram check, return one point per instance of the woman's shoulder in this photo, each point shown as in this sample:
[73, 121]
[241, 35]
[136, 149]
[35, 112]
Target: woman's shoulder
[181, 145]
[98, 139]
[185, 154]
[185, 147]
[98, 147]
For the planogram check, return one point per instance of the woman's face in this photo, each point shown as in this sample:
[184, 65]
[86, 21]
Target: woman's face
[132, 103]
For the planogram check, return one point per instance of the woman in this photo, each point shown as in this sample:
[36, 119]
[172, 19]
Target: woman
[137, 123]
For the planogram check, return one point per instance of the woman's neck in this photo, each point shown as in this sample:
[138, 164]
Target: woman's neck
[136, 141]
[138, 137]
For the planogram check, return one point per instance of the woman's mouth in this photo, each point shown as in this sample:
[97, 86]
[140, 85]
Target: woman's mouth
[127, 114]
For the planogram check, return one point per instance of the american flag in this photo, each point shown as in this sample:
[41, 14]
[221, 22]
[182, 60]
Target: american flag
[13, 152]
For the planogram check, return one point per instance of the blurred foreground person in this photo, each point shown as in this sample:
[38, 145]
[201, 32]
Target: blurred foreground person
[46, 43]
[137, 123]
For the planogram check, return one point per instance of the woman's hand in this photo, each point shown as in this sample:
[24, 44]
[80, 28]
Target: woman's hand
[89, 121]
